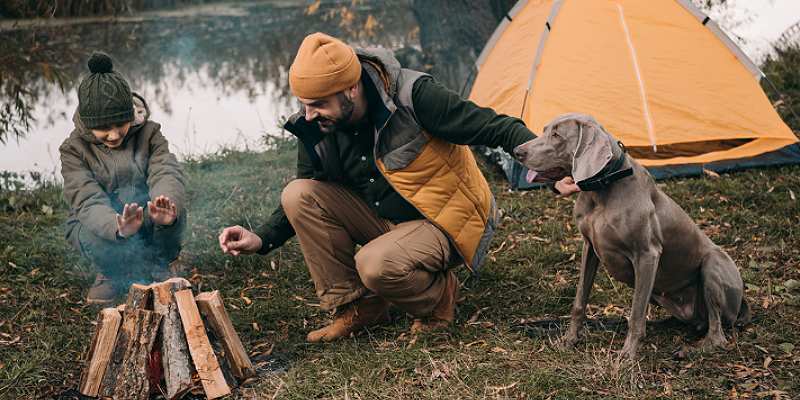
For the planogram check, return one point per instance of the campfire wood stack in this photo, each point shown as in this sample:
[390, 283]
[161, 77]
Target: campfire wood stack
[164, 340]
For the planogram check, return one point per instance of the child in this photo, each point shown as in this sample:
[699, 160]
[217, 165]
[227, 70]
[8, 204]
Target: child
[124, 187]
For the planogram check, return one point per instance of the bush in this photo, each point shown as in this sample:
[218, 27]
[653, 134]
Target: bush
[783, 70]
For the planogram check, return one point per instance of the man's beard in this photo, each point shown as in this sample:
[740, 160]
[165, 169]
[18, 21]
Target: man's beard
[341, 123]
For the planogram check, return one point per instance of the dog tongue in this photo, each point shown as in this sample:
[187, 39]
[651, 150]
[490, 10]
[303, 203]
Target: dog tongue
[531, 176]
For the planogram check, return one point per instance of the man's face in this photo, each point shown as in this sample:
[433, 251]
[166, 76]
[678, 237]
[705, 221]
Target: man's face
[330, 113]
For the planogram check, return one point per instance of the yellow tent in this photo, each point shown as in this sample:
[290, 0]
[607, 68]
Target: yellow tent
[658, 74]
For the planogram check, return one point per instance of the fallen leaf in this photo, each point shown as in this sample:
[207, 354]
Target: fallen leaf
[9, 342]
[502, 388]
[791, 284]
[791, 194]
[497, 349]
[247, 300]
[767, 362]
[786, 347]
[256, 327]
[710, 173]
[775, 394]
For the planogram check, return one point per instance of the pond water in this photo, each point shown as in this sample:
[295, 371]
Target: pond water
[215, 78]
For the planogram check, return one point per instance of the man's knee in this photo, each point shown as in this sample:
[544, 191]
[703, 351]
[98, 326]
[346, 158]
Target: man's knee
[296, 194]
[378, 269]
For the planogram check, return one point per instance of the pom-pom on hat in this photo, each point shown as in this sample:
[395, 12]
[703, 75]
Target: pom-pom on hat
[323, 66]
[104, 97]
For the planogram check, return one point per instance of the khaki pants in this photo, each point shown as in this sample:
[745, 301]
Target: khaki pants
[407, 264]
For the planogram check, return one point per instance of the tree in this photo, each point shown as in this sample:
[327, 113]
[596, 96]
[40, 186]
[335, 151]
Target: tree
[781, 69]
[453, 33]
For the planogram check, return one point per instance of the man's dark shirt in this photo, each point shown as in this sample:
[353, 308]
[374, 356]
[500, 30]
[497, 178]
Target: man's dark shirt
[441, 112]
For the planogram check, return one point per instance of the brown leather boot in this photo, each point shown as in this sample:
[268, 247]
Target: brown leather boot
[352, 317]
[444, 313]
[102, 291]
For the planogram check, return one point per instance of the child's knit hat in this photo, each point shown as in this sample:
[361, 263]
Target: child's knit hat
[104, 97]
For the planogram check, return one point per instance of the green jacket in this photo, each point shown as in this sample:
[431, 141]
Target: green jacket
[98, 181]
[440, 112]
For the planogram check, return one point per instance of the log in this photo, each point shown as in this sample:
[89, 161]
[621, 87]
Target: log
[205, 361]
[213, 310]
[177, 367]
[97, 360]
[127, 376]
[139, 297]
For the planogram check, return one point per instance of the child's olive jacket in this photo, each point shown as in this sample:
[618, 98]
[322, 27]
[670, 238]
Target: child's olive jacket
[99, 181]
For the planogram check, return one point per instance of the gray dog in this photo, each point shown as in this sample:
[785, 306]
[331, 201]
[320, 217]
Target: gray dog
[640, 234]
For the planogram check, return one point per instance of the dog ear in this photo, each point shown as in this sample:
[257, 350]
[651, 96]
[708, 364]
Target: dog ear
[593, 151]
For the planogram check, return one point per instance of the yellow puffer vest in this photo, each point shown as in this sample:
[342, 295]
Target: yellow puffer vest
[441, 179]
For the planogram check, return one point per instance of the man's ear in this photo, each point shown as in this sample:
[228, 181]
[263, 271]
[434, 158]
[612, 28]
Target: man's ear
[352, 92]
[593, 151]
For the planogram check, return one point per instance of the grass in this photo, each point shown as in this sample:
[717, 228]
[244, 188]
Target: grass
[492, 351]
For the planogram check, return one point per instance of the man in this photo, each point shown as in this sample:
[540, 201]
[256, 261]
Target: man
[383, 162]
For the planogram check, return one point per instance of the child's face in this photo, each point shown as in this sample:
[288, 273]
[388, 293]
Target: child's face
[112, 135]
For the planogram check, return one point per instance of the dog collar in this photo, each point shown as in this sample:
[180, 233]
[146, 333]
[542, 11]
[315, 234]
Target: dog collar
[605, 178]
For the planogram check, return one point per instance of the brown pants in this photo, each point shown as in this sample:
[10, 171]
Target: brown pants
[407, 264]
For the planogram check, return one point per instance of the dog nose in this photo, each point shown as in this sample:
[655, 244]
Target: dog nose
[520, 152]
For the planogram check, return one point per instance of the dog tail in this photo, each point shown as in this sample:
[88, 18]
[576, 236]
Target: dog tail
[744, 316]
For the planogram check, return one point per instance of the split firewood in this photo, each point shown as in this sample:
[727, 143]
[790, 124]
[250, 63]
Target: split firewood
[174, 351]
[127, 375]
[205, 361]
[103, 341]
[213, 310]
[139, 297]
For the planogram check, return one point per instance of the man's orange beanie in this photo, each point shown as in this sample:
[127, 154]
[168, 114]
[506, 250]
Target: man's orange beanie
[323, 66]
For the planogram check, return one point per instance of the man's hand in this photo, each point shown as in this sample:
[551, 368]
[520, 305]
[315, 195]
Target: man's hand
[567, 187]
[162, 210]
[235, 240]
[130, 221]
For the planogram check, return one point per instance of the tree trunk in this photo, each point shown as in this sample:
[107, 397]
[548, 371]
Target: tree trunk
[453, 33]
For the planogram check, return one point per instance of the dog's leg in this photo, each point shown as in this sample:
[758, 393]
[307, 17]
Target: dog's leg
[589, 264]
[645, 266]
[723, 294]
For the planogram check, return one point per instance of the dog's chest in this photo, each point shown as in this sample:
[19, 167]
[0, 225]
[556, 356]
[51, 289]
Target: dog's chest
[608, 244]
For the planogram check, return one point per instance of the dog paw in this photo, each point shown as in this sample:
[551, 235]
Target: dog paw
[712, 342]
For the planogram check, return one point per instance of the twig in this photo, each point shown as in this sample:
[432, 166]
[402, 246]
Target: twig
[278, 390]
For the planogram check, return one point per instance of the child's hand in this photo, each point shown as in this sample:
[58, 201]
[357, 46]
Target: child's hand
[162, 211]
[130, 221]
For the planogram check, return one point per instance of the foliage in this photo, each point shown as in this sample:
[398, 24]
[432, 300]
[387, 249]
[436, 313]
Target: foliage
[81, 8]
[23, 75]
[783, 70]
